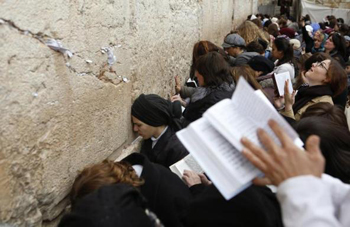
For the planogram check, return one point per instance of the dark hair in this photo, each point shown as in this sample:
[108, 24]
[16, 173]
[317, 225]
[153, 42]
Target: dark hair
[338, 77]
[263, 43]
[322, 25]
[255, 46]
[328, 111]
[283, 45]
[272, 29]
[214, 69]
[201, 48]
[344, 29]
[333, 22]
[282, 22]
[334, 145]
[101, 174]
[316, 57]
[340, 20]
[266, 24]
[258, 22]
[339, 44]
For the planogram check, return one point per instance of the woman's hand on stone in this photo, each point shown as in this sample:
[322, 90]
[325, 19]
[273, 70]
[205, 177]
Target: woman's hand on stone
[177, 84]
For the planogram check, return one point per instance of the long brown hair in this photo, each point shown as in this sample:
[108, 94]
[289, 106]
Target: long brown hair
[247, 73]
[101, 174]
[250, 32]
[202, 48]
[337, 77]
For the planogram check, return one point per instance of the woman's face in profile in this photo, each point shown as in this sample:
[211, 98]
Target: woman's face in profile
[200, 79]
[329, 44]
[144, 130]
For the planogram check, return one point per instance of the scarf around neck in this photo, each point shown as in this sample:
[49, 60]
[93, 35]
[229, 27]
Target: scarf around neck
[306, 94]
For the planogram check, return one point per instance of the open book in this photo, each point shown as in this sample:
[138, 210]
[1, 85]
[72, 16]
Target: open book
[214, 140]
[187, 163]
[279, 81]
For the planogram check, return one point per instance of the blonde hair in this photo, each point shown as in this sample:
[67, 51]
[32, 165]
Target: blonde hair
[250, 32]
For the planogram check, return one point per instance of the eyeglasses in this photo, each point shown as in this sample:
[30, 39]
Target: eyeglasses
[321, 64]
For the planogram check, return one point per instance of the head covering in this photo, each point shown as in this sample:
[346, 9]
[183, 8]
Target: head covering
[233, 40]
[296, 43]
[260, 63]
[294, 26]
[156, 111]
[274, 19]
[347, 38]
[288, 32]
[112, 205]
[315, 27]
[253, 17]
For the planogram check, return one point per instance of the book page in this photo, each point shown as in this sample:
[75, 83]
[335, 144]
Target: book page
[280, 80]
[244, 115]
[230, 158]
[192, 164]
[207, 160]
[187, 163]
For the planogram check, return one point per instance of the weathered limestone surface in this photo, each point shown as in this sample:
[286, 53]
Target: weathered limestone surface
[59, 114]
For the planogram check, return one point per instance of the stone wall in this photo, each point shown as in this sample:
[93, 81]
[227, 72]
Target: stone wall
[59, 114]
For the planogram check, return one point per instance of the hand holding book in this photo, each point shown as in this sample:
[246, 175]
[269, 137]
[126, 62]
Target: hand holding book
[281, 162]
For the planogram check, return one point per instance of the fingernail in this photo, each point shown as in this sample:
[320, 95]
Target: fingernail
[244, 140]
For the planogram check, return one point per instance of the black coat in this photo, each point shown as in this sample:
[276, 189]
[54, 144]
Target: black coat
[196, 109]
[167, 150]
[255, 206]
[165, 192]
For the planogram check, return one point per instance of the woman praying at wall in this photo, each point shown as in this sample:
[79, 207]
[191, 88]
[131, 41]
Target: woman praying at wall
[216, 84]
[156, 120]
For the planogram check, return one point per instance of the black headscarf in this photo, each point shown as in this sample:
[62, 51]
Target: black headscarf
[306, 94]
[156, 111]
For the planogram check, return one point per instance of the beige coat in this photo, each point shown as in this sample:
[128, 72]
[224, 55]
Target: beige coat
[296, 116]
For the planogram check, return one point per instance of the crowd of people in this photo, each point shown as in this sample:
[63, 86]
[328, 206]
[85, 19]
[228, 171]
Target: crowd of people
[312, 184]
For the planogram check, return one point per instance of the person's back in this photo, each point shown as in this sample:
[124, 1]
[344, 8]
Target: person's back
[255, 206]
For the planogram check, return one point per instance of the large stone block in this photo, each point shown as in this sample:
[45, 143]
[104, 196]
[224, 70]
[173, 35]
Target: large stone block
[59, 114]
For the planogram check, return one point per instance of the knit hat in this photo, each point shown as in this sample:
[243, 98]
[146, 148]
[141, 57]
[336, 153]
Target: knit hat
[112, 205]
[260, 63]
[233, 40]
[156, 111]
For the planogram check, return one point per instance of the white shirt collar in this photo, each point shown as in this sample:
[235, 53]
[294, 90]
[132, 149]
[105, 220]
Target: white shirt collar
[155, 140]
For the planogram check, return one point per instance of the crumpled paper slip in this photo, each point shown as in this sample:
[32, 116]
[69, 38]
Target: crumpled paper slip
[126, 80]
[111, 57]
[2, 21]
[57, 46]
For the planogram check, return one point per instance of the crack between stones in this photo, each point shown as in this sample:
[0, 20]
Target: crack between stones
[40, 36]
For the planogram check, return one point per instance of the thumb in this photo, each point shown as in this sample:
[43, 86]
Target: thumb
[313, 145]
[286, 90]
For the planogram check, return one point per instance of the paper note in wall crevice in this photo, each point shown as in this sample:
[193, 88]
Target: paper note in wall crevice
[57, 46]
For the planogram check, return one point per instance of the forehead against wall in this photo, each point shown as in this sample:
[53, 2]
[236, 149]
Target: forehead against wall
[59, 114]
